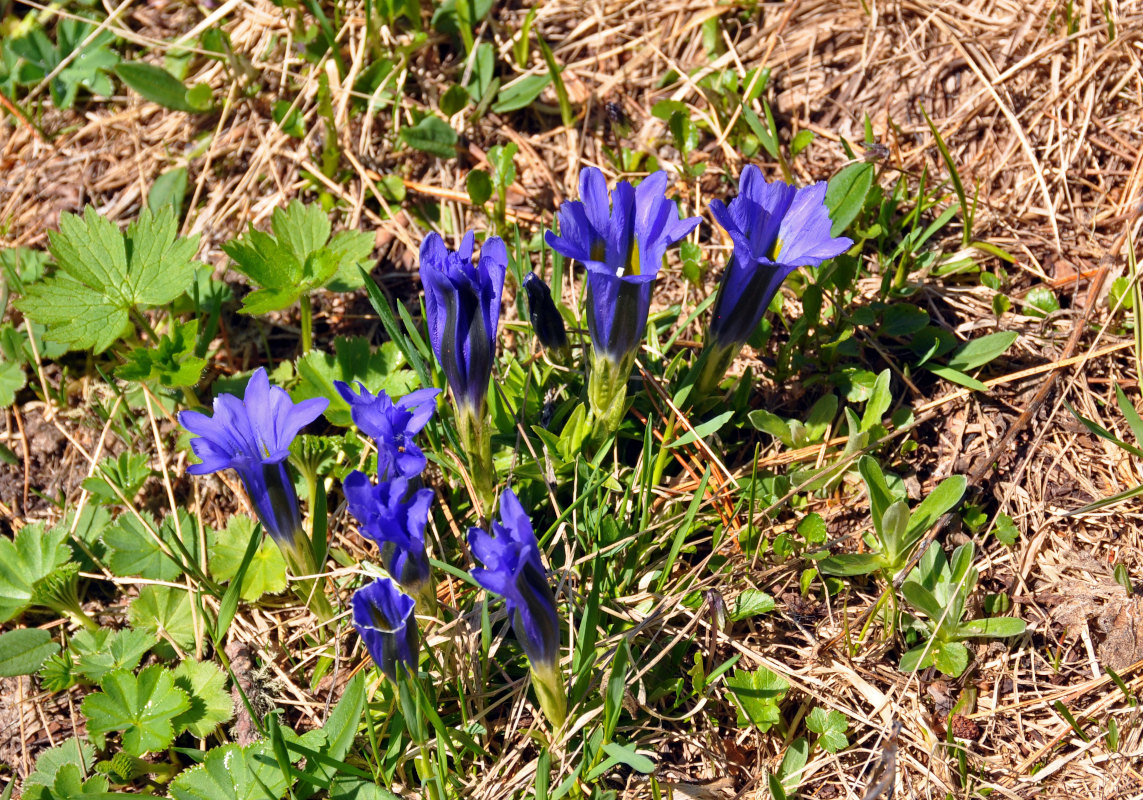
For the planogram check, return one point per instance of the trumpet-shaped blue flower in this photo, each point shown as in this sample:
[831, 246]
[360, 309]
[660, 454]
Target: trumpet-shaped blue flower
[546, 320]
[395, 521]
[513, 570]
[621, 240]
[392, 426]
[383, 616]
[775, 229]
[462, 303]
[252, 436]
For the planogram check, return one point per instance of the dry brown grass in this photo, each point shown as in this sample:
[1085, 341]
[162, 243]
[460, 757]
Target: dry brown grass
[1043, 124]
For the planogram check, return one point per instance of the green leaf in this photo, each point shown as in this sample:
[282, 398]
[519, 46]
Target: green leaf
[920, 657]
[1129, 414]
[879, 401]
[520, 93]
[266, 573]
[12, 380]
[830, 727]
[431, 135]
[210, 703]
[849, 564]
[845, 195]
[33, 556]
[69, 784]
[1040, 302]
[751, 603]
[88, 57]
[156, 84]
[297, 257]
[801, 141]
[454, 100]
[353, 360]
[757, 695]
[793, 762]
[142, 707]
[104, 274]
[164, 611]
[703, 430]
[23, 651]
[991, 628]
[951, 658]
[980, 351]
[77, 752]
[133, 550]
[127, 473]
[959, 378]
[1006, 530]
[340, 730]
[100, 652]
[479, 186]
[172, 364]
[880, 498]
[233, 772]
[925, 601]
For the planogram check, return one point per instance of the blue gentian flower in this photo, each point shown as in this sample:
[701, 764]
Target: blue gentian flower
[383, 616]
[252, 436]
[392, 426]
[513, 570]
[545, 317]
[775, 228]
[621, 239]
[462, 302]
[394, 519]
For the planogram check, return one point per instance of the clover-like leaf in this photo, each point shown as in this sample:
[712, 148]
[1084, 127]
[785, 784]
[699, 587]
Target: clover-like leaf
[141, 706]
[757, 695]
[78, 752]
[127, 473]
[830, 727]
[172, 363]
[134, 550]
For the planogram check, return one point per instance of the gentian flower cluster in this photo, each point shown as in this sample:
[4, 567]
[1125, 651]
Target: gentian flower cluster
[462, 304]
[392, 513]
[252, 436]
[513, 570]
[621, 239]
[775, 229]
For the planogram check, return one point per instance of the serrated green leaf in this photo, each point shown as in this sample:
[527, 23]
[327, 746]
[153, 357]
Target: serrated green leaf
[31, 557]
[751, 603]
[210, 703]
[266, 573]
[431, 135]
[133, 550]
[104, 274]
[297, 257]
[233, 772]
[172, 363]
[142, 707]
[164, 611]
[757, 695]
[127, 473]
[100, 652]
[830, 727]
[23, 651]
[69, 784]
[354, 359]
[77, 752]
[12, 380]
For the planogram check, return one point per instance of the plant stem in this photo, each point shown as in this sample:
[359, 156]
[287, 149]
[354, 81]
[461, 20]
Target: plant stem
[307, 324]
